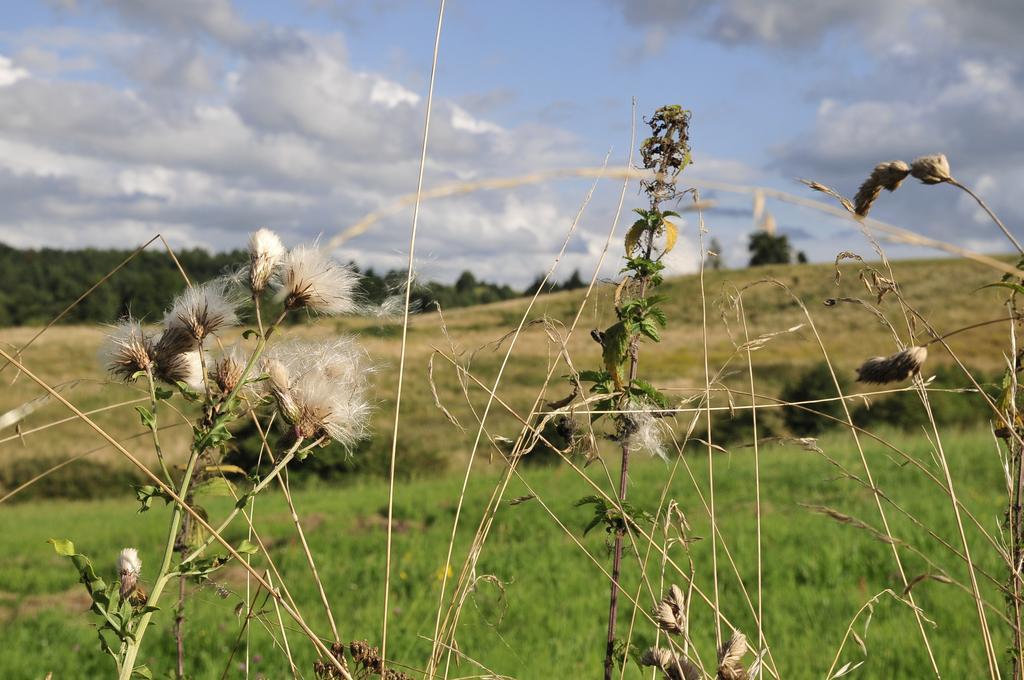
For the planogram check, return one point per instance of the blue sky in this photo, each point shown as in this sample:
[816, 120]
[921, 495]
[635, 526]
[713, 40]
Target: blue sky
[203, 119]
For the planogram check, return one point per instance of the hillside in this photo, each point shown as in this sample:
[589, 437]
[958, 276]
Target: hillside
[943, 291]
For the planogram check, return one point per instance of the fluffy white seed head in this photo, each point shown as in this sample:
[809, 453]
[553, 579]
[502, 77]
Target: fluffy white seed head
[202, 311]
[128, 562]
[309, 278]
[265, 253]
[127, 349]
[645, 430]
[186, 367]
[320, 388]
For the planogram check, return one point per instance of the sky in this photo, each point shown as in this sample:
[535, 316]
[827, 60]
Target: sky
[203, 120]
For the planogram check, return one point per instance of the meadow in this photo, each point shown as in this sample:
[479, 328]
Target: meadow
[539, 598]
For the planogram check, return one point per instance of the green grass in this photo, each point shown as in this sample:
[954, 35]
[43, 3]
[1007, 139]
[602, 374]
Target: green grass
[817, 573]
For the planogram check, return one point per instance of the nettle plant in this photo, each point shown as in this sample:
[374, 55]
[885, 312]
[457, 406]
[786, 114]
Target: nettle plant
[317, 390]
[633, 404]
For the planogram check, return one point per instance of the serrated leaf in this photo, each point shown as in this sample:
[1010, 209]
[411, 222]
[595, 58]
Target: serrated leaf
[671, 236]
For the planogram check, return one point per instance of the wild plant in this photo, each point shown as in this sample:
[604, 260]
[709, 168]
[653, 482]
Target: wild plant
[317, 391]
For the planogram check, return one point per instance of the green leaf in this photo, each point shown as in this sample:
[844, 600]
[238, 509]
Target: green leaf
[147, 417]
[249, 332]
[163, 394]
[225, 469]
[145, 494]
[142, 672]
[1015, 287]
[215, 486]
[247, 547]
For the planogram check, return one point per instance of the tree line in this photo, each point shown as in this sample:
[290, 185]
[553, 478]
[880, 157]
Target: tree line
[38, 284]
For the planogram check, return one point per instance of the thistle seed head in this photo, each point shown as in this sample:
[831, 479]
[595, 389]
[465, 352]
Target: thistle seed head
[320, 388]
[932, 169]
[229, 368]
[888, 175]
[127, 350]
[894, 368]
[265, 253]
[186, 367]
[311, 279]
[670, 612]
[202, 311]
[128, 568]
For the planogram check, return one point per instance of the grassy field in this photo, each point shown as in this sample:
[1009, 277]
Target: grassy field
[551, 620]
[850, 334]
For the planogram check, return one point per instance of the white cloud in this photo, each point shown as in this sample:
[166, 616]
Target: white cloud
[9, 73]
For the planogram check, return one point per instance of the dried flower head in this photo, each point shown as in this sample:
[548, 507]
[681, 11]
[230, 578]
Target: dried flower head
[128, 568]
[730, 658]
[311, 279]
[895, 368]
[127, 350]
[932, 169]
[888, 175]
[320, 388]
[227, 372]
[265, 252]
[202, 311]
[670, 612]
[671, 664]
[186, 367]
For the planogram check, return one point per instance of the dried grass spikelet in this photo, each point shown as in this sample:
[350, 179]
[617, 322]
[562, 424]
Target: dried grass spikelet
[672, 665]
[730, 658]
[265, 253]
[202, 311]
[320, 388]
[309, 278]
[369, 658]
[127, 349]
[128, 568]
[670, 612]
[894, 368]
[932, 169]
[888, 175]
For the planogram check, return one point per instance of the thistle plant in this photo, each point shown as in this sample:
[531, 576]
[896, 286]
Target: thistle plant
[317, 390]
[634, 402]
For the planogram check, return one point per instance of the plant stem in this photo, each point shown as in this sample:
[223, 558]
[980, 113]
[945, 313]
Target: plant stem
[179, 625]
[984, 206]
[163, 575]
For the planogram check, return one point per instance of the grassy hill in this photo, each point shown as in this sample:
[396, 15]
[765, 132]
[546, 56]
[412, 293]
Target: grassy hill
[943, 291]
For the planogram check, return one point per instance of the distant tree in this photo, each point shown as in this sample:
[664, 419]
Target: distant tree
[465, 283]
[801, 257]
[768, 248]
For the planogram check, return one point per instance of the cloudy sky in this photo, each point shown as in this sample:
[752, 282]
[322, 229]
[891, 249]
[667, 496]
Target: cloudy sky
[203, 119]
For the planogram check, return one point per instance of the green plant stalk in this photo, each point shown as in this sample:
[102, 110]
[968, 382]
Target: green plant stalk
[281, 464]
[163, 575]
[613, 600]
[153, 428]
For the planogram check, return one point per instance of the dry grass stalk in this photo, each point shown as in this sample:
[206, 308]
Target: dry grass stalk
[893, 368]
[818, 186]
